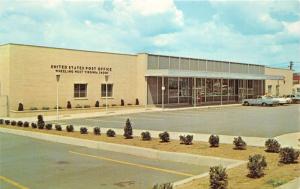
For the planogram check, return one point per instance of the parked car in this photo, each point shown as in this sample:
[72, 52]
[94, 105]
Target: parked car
[295, 98]
[263, 101]
[283, 100]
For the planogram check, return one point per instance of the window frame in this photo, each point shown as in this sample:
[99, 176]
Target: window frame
[111, 93]
[80, 91]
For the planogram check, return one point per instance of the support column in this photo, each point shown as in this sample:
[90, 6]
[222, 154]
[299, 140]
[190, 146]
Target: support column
[195, 93]
[221, 86]
[162, 92]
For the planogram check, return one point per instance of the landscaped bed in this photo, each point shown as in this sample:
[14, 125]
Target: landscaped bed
[275, 173]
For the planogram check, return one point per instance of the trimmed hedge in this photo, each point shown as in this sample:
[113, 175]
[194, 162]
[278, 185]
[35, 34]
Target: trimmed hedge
[97, 131]
[7, 122]
[83, 130]
[58, 127]
[48, 126]
[146, 135]
[128, 130]
[239, 143]
[34, 125]
[272, 145]
[214, 140]
[20, 123]
[26, 124]
[69, 128]
[1, 121]
[256, 166]
[164, 136]
[13, 123]
[187, 140]
[110, 133]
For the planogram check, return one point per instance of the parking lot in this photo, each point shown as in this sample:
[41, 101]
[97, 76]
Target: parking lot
[31, 163]
[242, 120]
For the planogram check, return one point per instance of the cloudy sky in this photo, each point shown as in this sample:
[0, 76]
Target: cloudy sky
[261, 32]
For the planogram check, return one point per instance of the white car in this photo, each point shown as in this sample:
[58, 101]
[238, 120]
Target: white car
[283, 100]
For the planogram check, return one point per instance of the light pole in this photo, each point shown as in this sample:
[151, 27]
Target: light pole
[57, 80]
[106, 80]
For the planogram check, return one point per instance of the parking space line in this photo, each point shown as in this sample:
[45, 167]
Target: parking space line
[101, 120]
[134, 164]
[12, 182]
[139, 117]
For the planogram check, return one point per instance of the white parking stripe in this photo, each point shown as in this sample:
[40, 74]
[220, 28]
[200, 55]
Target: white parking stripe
[101, 120]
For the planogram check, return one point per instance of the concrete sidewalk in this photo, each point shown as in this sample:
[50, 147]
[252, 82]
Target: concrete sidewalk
[112, 111]
[294, 184]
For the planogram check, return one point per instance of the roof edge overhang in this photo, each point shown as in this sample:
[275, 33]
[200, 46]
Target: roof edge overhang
[199, 74]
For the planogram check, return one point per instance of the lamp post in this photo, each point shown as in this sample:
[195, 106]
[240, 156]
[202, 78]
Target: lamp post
[57, 80]
[106, 80]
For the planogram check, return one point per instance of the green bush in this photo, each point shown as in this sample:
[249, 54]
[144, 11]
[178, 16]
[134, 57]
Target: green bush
[58, 127]
[7, 122]
[40, 123]
[146, 135]
[20, 107]
[34, 125]
[122, 102]
[13, 123]
[163, 186]
[97, 104]
[26, 124]
[214, 140]
[187, 140]
[33, 108]
[1, 121]
[218, 177]
[128, 130]
[83, 130]
[69, 105]
[164, 136]
[69, 128]
[272, 145]
[256, 166]
[97, 131]
[59, 107]
[288, 155]
[78, 106]
[86, 106]
[45, 108]
[20, 123]
[110, 133]
[48, 126]
[239, 143]
[137, 102]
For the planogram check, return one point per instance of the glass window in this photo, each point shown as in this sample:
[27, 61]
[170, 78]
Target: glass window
[269, 89]
[109, 90]
[183, 87]
[173, 87]
[80, 90]
[225, 87]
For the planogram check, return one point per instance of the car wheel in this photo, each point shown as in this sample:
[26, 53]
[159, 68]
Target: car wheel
[264, 104]
[246, 103]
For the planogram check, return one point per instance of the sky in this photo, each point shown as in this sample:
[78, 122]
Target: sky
[260, 32]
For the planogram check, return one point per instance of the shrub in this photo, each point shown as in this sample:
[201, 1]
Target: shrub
[69, 106]
[1, 121]
[218, 177]
[33, 108]
[256, 166]
[128, 130]
[21, 107]
[26, 124]
[58, 127]
[59, 107]
[137, 101]
[7, 122]
[272, 145]
[97, 104]
[187, 140]
[164, 137]
[288, 155]
[239, 143]
[83, 130]
[129, 104]
[13, 123]
[45, 108]
[97, 131]
[33, 125]
[48, 126]
[113, 105]
[69, 128]
[163, 186]
[86, 106]
[78, 106]
[20, 123]
[214, 141]
[122, 102]
[40, 122]
[146, 135]
[110, 133]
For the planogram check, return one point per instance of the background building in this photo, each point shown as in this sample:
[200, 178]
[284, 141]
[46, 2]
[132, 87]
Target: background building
[279, 87]
[28, 76]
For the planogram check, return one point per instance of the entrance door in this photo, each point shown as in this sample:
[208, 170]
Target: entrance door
[197, 97]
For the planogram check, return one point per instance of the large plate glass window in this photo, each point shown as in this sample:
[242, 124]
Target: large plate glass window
[80, 90]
